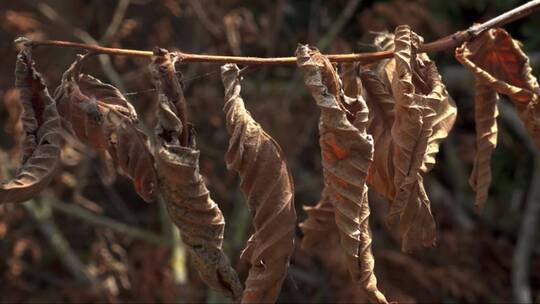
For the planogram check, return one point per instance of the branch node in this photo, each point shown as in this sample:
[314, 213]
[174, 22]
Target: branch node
[23, 40]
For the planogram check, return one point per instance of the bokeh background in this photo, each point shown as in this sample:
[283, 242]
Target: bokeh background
[89, 237]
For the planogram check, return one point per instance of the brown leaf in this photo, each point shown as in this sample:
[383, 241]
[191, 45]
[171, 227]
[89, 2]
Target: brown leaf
[170, 88]
[381, 115]
[41, 123]
[485, 115]
[130, 149]
[424, 71]
[499, 66]
[268, 186]
[418, 93]
[102, 118]
[188, 200]
[347, 153]
[319, 223]
[497, 58]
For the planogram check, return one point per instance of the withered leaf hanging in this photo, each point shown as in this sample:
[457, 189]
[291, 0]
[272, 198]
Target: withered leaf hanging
[268, 186]
[102, 118]
[188, 200]
[41, 124]
[499, 65]
[347, 153]
[320, 222]
[381, 104]
[380, 100]
[419, 95]
[320, 219]
[485, 115]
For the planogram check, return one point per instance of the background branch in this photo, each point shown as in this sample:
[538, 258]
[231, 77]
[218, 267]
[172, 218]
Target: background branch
[521, 260]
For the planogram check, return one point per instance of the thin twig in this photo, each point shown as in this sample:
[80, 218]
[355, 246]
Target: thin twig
[200, 12]
[85, 37]
[445, 43]
[338, 25]
[41, 212]
[134, 232]
[116, 21]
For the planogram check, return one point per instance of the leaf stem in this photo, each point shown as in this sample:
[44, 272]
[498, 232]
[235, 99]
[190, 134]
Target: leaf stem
[442, 44]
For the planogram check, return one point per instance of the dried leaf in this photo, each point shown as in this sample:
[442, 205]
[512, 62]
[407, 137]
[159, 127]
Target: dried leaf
[130, 149]
[381, 117]
[497, 58]
[485, 115]
[378, 93]
[188, 200]
[319, 223]
[347, 152]
[168, 83]
[418, 93]
[499, 66]
[267, 183]
[41, 123]
[102, 118]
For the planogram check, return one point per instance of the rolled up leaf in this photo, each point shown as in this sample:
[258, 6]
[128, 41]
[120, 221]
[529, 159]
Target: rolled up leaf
[189, 204]
[419, 95]
[41, 124]
[347, 153]
[485, 116]
[381, 99]
[320, 222]
[267, 183]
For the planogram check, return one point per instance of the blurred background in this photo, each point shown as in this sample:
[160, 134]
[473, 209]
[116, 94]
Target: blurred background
[89, 237]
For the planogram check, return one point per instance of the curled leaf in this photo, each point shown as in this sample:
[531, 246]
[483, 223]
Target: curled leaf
[497, 58]
[380, 100]
[418, 93]
[381, 117]
[347, 153]
[499, 66]
[268, 186]
[188, 200]
[485, 115]
[320, 221]
[41, 124]
[102, 118]
[169, 87]
[130, 149]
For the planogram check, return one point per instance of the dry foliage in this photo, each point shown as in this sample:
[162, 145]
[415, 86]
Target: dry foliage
[418, 93]
[99, 115]
[347, 153]
[188, 200]
[268, 186]
[319, 223]
[499, 66]
[380, 126]
[41, 124]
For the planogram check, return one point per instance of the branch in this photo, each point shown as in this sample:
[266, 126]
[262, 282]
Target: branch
[97, 220]
[42, 213]
[446, 43]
